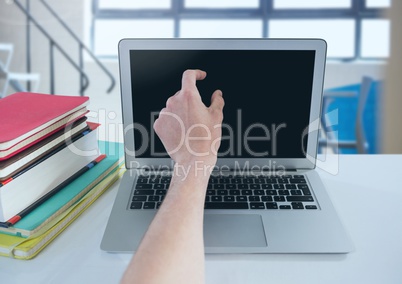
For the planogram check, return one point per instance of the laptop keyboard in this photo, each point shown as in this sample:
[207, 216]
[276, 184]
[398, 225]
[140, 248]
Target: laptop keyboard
[263, 192]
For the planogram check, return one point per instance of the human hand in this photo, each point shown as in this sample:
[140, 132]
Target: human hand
[188, 129]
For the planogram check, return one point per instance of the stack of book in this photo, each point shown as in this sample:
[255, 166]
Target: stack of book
[51, 168]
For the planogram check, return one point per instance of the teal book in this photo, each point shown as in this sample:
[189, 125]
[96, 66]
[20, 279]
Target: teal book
[43, 216]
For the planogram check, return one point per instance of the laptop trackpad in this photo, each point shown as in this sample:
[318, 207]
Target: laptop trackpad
[232, 230]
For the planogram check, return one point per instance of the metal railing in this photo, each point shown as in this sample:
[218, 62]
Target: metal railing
[79, 67]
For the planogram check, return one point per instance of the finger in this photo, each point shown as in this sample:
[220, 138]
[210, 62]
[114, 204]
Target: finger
[217, 101]
[169, 103]
[190, 77]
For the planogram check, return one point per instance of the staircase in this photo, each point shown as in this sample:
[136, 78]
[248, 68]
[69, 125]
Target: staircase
[16, 80]
[11, 78]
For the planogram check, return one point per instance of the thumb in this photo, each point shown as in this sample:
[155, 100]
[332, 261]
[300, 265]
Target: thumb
[217, 100]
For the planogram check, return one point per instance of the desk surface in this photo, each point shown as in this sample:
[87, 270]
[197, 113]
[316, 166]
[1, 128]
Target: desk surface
[367, 193]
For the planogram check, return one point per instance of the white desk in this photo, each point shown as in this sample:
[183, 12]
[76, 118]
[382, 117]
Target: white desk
[367, 192]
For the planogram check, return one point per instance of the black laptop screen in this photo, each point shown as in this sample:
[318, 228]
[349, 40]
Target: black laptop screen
[267, 97]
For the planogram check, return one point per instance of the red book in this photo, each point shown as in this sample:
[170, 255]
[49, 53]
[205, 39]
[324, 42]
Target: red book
[27, 118]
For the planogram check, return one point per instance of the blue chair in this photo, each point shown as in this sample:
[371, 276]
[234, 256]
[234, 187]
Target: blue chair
[353, 96]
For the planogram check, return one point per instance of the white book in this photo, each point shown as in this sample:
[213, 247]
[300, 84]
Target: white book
[24, 190]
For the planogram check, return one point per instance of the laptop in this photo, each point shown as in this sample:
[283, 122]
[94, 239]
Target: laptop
[264, 195]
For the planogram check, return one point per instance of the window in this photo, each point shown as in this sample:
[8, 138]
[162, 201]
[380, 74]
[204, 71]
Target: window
[129, 4]
[353, 29]
[241, 28]
[109, 32]
[340, 44]
[222, 4]
[375, 38]
[311, 4]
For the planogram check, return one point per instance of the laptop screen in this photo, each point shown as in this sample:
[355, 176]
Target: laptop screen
[267, 97]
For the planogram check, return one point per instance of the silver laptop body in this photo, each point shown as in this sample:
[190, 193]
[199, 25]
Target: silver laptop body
[287, 77]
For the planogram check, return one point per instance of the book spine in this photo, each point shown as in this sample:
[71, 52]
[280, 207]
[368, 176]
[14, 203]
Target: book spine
[15, 196]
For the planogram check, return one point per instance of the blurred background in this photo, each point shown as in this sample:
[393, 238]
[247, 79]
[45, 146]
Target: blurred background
[70, 47]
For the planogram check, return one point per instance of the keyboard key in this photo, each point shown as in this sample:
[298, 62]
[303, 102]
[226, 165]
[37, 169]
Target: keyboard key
[149, 205]
[279, 186]
[142, 180]
[224, 180]
[160, 192]
[307, 198]
[248, 180]
[166, 179]
[271, 192]
[154, 180]
[230, 186]
[246, 192]
[136, 205]
[254, 198]
[216, 198]
[285, 207]
[298, 176]
[241, 198]
[222, 192]
[143, 186]
[279, 198]
[219, 186]
[139, 198]
[144, 192]
[236, 180]
[158, 204]
[311, 207]
[234, 192]
[259, 205]
[295, 192]
[283, 180]
[290, 186]
[209, 186]
[271, 205]
[259, 192]
[159, 186]
[266, 186]
[302, 186]
[211, 192]
[283, 192]
[266, 198]
[286, 176]
[297, 180]
[271, 180]
[226, 205]
[255, 186]
[153, 198]
[242, 186]
[229, 198]
[297, 205]
[259, 180]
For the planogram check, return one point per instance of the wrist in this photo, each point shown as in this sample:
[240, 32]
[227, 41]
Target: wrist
[199, 169]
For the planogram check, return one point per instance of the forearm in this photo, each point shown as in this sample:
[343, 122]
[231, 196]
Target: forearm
[172, 250]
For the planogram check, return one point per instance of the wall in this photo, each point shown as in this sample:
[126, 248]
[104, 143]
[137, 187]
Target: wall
[390, 128]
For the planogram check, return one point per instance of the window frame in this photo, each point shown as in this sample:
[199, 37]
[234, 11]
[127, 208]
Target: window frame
[265, 12]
